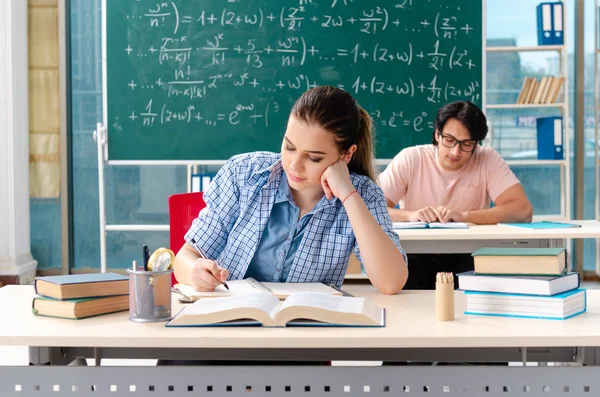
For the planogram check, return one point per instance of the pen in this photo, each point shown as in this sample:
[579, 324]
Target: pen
[146, 255]
[203, 256]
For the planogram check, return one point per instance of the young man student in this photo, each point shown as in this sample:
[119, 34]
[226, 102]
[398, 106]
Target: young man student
[296, 216]
[452, 180]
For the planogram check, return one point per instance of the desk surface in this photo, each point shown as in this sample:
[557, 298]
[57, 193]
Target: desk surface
[410, 323]
[588, 229]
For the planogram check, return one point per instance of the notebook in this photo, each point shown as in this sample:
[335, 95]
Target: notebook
[432, 225]
[541, 225]
[557, 307]
[308, 309]
[250, 285]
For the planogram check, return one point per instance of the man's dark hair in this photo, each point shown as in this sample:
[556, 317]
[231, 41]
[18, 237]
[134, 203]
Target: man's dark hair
[467, 113]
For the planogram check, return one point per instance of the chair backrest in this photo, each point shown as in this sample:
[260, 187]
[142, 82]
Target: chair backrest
[183, 209]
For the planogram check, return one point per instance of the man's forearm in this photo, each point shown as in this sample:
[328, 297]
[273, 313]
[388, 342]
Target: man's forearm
[514, 211]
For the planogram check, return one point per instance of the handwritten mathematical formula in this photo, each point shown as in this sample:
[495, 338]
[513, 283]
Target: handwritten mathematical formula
[275, 52]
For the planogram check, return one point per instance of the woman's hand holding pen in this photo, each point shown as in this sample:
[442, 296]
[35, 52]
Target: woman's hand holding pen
[336, 181]
[207, 274]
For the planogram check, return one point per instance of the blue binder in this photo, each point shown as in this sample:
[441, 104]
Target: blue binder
[557, 24]
[550, 138]
[544, 24]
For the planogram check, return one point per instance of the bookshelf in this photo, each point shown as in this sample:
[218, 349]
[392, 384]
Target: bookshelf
[562, 105]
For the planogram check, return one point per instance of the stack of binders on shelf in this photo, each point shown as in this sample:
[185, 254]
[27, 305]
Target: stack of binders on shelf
[522, 282]
[550, 22]
[200, 182]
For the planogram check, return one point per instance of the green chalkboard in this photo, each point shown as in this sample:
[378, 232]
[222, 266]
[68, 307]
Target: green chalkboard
[204, 80]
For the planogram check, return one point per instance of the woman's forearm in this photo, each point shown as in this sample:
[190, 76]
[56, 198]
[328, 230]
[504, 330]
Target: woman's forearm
[383, 261]
[184, 263]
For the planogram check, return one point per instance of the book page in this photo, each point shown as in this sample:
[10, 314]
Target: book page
[248, 286]
[335, 305]
[235, 307]
[409, 225]
[283, 290]
[236, 287]
[448, 225]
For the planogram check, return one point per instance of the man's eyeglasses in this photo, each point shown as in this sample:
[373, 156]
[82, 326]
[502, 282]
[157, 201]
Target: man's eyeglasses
[468, 145]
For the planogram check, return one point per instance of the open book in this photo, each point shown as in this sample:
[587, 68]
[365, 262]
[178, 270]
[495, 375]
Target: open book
[250, 285]
[432, 225]
[301, 309]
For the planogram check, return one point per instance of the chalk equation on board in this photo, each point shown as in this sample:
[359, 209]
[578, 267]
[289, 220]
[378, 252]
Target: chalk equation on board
[235, 64]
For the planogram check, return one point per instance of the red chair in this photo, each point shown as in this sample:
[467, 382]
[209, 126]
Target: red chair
[183, 209]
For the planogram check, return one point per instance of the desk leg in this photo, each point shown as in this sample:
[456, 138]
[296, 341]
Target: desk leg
[97, 356]
[42, 355]
[588, 356]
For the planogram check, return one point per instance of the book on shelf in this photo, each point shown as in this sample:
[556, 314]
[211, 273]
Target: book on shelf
[523, 261]
[535, 285]
[250, 285]
[531, 90]
[537, 98]
[557, 307]
[544, 91]
[79, 308]
[301, 309]
[73, 286]
[431, 225]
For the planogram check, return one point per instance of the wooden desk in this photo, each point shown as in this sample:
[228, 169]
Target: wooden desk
[410, 324]
[475, 237]
[411, 334]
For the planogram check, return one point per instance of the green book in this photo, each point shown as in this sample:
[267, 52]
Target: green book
[521, 261]
[79, 308]
[74, 286]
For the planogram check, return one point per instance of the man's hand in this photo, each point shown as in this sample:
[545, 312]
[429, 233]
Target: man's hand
[426, 214]
[448, 215]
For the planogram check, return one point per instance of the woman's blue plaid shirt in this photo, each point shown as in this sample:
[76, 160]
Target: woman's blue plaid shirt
[238, 205]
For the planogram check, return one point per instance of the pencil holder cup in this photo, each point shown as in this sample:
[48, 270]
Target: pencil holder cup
[444, 297]
[149, 295]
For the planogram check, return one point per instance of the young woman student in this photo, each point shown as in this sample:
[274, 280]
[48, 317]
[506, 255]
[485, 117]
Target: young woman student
[296, 216]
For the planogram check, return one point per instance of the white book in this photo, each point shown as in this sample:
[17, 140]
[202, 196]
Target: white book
[556, 307]
[536, 285]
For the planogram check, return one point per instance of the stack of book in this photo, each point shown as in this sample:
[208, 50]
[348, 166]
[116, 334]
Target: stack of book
[546, 90]
[522, 282]
[78, 296]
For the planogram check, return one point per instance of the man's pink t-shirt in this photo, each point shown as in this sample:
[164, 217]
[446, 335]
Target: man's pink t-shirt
[415, 179]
